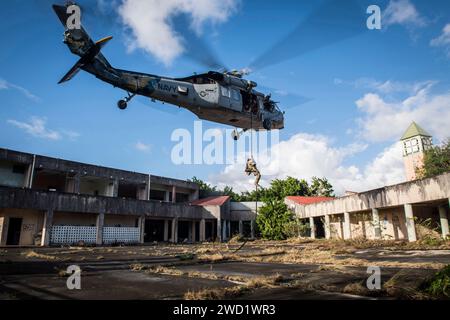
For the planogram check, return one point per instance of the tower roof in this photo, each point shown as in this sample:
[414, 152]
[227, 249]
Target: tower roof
[414, 130]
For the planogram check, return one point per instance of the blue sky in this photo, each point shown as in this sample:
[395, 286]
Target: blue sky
[364, 91]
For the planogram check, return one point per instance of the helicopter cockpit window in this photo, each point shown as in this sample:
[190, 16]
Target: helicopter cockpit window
[225, 92]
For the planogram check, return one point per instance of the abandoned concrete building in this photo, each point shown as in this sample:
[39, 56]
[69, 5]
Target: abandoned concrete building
[406, 211]
[48, 201]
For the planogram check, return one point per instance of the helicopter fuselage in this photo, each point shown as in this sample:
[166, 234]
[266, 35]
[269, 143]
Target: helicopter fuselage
[204, 95]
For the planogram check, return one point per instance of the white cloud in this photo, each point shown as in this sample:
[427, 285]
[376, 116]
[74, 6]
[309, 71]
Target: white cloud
[402, 12]
[385, 87]
[386, 169]
[385, 121]
[5, 85]
[443, 40]
[306, 155]
[142, 146]
[36, 127]
[71, 135]
[150, 22]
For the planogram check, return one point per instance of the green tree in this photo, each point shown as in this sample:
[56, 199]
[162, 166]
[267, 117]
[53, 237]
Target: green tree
[203, 185]
[320, 187]
[273, 220]
[228, 191]
[436, 161]
[279, 189]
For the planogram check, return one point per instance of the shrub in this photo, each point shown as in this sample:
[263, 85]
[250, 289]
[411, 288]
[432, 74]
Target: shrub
[273, 219]
[439, 284]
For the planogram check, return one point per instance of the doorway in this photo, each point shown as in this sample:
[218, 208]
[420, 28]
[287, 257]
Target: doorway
[14, 227]
[154, 231]
[320, 228]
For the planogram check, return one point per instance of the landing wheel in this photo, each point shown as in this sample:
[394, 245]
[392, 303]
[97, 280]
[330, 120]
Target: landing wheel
[235, 135]
[267, 124]
[122, 104]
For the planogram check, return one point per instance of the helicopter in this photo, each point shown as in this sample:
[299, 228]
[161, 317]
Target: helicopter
[221, 97]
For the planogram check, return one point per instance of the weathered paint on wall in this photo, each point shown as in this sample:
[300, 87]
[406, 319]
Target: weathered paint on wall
[120, 221]
[31, 224]
[74, 219]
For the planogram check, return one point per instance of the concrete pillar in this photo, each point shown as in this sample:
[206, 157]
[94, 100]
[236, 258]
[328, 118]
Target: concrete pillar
[30, 173]
[99, 224]
[312, 226]
[410, 224]
[166, 230]
[47, 228]
[376, 224]
[174, 194]
[252, 229]
[175, 230]
[3, 231]
[141, 229]
[115, 188]
[76, 183]
[194, 231]
[444, 221]
[224, 230]
[219, 230]
[327, 227]
[241, 228]
[167, 196]
[347, 226]
[202, 231]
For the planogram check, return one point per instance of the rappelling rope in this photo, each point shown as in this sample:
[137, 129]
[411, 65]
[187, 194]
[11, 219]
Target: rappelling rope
[251, 154]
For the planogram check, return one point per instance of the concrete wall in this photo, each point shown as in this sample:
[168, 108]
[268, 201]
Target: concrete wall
[74, 219]
[120, 220]
[31, 224]
[393, 224]
[245, 211]
[337, 226]
[361, 225]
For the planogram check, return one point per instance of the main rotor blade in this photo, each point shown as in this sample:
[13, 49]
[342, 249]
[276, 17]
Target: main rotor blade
[333, 21]
[286, 99]
[196, 48]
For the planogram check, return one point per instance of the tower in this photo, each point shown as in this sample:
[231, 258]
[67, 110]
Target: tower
[415, 141]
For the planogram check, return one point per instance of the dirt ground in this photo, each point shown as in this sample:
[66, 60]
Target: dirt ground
[295, 269]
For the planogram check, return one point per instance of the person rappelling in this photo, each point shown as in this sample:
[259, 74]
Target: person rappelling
[251, 168]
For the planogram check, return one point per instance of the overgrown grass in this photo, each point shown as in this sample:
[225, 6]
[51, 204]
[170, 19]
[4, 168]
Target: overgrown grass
[34, 254]
[438, 286]
[236, 291]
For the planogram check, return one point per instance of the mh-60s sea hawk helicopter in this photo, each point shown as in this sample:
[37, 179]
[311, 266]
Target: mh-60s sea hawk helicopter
[222, 97]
